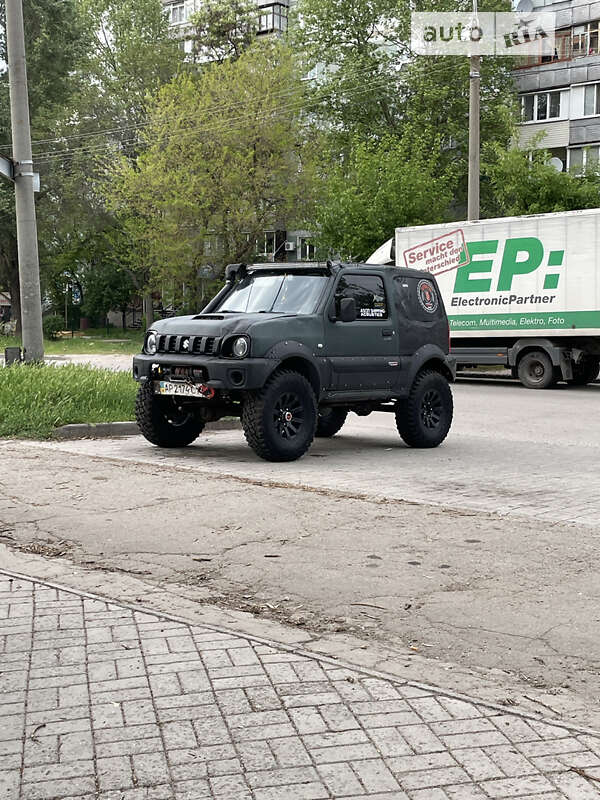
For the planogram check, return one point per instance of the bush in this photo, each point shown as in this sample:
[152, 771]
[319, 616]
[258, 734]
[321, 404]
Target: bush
[52, 326]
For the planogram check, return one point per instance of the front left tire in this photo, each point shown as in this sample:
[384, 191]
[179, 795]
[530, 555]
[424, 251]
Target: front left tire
[163, 421]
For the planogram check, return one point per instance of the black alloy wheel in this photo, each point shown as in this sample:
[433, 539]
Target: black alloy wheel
[279, 420]
[423, 419]
[288, 415]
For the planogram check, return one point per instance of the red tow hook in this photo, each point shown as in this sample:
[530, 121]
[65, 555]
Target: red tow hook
[206, 391]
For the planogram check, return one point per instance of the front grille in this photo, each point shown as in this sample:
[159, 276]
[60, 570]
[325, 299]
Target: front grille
[196, 345]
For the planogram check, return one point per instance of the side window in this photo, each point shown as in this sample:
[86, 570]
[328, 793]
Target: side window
[367, 291]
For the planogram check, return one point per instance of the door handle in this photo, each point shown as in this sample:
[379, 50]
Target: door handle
[387, 332]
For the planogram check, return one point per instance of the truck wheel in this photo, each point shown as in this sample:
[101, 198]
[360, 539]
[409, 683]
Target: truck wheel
[279, 420]
[536, 370]
[162, 421]
[330, 420]
[585, 372]
[424, 418]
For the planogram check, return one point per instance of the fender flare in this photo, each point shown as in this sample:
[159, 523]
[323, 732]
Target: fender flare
[316, 369]
[431, 353]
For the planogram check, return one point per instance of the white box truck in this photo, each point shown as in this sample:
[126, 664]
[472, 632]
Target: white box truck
[523, 292]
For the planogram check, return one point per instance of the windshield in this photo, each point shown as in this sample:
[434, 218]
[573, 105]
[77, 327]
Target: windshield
[279, 293]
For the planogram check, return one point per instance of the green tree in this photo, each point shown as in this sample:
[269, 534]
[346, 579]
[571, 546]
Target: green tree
[107, 285]
[368, 86]
[516, 183]
[226, 158]
[223, 29]
[55, 41]
[353, 49]
[98, 263]
[397, 181]
[130, 54]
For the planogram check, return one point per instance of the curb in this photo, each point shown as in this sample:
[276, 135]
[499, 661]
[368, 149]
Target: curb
[106, 430]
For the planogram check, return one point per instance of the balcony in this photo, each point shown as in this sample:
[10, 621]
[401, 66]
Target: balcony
[563, 51]
[273, 18]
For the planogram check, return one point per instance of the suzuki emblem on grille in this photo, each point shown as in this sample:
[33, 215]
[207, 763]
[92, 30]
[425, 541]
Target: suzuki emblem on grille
[185, 344]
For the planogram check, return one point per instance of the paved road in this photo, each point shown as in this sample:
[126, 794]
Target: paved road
[511, 451]
[491, 562]
[100, 701]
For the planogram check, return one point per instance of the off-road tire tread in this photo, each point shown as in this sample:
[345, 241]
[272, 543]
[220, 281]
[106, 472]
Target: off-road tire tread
[160, 432]
[329, 426]
[252, 413]
[407, 416]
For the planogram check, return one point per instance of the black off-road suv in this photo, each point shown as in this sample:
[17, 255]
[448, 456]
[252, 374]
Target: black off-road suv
[291, 349]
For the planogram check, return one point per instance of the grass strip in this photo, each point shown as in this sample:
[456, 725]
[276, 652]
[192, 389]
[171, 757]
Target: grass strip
[36, 399]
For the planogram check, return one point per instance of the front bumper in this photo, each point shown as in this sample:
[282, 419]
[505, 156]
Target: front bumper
[218, 373]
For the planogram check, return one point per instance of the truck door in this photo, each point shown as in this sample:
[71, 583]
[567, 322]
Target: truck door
[361, 353]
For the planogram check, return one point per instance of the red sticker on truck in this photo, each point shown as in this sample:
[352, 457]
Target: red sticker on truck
[438, 255]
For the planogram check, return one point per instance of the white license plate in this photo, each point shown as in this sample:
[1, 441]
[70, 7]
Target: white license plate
[176, 388]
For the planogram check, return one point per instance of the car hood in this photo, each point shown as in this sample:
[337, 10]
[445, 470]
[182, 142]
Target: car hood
[217, 325]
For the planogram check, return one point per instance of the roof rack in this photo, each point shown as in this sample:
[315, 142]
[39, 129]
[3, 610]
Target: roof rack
[271, 265]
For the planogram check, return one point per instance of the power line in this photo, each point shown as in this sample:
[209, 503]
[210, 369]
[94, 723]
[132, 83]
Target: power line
[301, 104]
[215, 110]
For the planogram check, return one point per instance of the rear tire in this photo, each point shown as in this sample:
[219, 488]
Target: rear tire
[425, 417]
[163, 421]
[536, 371]
[329, 421]
[279, 420]
[585, 372]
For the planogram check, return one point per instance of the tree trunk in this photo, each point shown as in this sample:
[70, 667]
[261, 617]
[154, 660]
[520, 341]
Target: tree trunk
[148, 310]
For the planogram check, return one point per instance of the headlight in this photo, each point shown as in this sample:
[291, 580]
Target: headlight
[240, 347]
[151, 344]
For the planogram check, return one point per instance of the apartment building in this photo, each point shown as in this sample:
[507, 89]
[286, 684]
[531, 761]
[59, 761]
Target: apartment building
[272, 16]
[560, 94]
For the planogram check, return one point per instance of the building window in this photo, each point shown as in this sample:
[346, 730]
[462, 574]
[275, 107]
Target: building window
[585, 39]
[176, 13]
[581, 158]
[265, 245]
[273, 18]
[539, 107]
[591, 100]
[306, 250]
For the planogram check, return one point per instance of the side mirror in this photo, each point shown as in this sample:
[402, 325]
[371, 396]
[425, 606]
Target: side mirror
[347, 309]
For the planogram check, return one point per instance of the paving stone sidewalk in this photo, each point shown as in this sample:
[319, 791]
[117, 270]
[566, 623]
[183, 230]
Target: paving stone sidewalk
[99, 700]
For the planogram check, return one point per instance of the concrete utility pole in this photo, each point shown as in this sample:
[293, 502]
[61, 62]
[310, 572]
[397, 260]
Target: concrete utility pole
[27, 242]
[474, 91]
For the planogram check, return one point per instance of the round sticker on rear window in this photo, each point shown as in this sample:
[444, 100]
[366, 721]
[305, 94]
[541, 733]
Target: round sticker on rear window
[427, 296]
